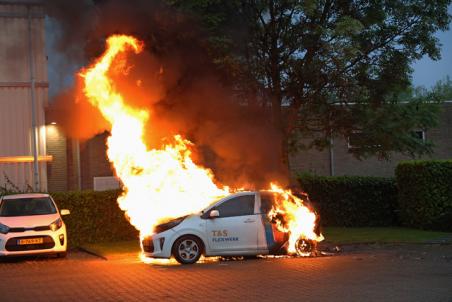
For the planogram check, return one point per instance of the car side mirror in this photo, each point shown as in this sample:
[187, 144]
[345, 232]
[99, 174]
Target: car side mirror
[214, 214]
[65, 212]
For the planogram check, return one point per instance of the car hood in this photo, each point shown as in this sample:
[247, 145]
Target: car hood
[29, 221]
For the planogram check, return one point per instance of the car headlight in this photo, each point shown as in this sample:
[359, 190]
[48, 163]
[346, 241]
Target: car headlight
[4, 229]
[169, 225]
[56, 225]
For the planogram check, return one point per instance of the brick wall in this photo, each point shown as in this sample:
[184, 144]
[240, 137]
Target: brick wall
[344, 163]
[93, 159]
[57, 168]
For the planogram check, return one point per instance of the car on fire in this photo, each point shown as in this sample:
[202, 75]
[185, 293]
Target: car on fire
[236, 225]
[31, 224]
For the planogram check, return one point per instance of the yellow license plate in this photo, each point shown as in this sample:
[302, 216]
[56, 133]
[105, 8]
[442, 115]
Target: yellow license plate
[30, 241]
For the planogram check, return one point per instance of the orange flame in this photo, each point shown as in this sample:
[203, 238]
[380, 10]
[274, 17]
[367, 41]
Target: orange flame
[164, 183]
[298, 220]
[158, 183]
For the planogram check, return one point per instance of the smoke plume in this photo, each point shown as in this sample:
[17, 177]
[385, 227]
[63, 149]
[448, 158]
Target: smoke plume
[175, 80]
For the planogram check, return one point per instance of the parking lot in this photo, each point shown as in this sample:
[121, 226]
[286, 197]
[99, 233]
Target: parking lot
[364, 273]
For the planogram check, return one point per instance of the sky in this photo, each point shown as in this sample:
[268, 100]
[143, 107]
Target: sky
[426, 71]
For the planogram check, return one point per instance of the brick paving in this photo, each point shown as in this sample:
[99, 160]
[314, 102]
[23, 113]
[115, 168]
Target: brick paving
[371, 273]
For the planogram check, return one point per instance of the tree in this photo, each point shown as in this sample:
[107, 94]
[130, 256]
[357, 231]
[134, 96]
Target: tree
[330, 68]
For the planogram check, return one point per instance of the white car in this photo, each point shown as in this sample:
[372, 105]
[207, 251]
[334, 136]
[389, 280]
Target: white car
[31, 224]
[237, 225]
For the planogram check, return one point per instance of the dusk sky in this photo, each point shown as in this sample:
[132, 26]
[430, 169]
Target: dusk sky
[426, 71]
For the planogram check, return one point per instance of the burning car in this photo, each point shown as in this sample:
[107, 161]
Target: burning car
[163, 182]
[241, 224]
[31, 224]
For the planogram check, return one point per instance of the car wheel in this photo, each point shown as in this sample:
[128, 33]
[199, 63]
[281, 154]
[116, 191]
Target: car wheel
[304, 247]
[187, 249]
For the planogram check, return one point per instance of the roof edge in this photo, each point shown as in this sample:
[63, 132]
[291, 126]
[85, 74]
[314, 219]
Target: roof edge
[22, 2]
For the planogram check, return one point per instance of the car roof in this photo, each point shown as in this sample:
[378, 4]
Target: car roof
[241, 193]
[26, 195]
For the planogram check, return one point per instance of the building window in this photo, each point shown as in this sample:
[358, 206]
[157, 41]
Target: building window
[419, 134]
[357, 139]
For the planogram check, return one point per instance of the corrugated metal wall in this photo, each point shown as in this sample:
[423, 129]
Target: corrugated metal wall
[15, 93]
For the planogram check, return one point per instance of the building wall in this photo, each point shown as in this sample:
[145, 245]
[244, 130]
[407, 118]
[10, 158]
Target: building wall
[57, 169]
[16, 156]
[344, 163]
[93, 160]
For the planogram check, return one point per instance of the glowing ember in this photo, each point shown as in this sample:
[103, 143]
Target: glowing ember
[160, 184]
[293, 217]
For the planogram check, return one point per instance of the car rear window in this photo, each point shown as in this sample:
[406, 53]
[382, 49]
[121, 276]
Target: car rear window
[27, 207]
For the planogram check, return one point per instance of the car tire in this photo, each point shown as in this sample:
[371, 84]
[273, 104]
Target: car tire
[304, 247]
[187, 249]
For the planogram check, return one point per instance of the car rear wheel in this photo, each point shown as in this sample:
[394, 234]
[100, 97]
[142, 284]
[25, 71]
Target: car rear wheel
[187, 249]
[304, 246]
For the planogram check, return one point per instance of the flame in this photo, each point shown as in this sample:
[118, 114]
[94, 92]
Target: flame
[293, 217]
[158, 184]
[165, 183]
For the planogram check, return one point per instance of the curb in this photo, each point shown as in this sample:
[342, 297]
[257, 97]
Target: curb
[435, 242]
[91, 252]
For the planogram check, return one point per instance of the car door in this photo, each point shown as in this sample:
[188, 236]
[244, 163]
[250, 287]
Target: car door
[269, 238]
[236, 227]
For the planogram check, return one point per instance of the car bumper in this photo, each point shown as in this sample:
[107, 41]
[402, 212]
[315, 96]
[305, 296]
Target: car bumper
[53, 242]
[158, 245]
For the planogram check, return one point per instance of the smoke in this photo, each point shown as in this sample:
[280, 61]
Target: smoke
[175, 80]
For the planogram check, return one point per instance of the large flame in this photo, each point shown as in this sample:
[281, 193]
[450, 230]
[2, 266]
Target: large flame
[158, 183]
[164, 183]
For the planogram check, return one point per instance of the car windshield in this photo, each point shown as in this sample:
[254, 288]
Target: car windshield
[27, 207]
[212, 203]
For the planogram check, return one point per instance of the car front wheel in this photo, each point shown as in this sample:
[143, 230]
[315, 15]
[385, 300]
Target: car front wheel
[187, 249]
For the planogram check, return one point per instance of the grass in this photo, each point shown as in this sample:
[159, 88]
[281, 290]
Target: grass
[381, 235]
[336, 235]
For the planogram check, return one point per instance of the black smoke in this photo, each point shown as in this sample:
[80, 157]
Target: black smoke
[176, 81]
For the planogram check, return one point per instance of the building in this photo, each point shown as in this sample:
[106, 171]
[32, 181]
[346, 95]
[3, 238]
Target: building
[78, 165]
[85, 166]
[337, 160]
[23, 96]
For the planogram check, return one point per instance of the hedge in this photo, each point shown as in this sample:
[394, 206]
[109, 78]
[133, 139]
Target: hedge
[95, 217]
[352, 201]
[425, 194]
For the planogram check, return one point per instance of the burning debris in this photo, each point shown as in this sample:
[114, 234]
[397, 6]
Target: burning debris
[163, 183]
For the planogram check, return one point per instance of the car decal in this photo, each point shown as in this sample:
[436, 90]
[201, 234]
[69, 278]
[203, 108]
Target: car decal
[268, 232]
[222, 236]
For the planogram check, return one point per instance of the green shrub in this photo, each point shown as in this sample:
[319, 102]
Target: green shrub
[95, 217]
[352, 200]
[425, 194]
